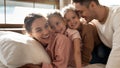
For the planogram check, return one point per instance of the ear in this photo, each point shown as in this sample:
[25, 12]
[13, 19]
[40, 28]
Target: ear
[92, 5]
[30, 34]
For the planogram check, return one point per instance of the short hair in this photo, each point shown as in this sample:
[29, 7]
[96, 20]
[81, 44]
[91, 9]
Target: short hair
[85, 2]
[29, 20]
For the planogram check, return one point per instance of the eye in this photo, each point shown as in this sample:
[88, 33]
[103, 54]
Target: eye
[79, 12]
[52, 27]
[38, 30]
[46, 26]
[73, 17]
[57, 23]
[68, 20]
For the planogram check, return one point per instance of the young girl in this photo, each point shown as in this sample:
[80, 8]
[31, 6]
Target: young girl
[87, 31]
[58, 25]
[57, 45]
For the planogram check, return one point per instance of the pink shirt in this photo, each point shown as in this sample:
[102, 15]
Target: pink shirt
[59, 51]
[72, 34]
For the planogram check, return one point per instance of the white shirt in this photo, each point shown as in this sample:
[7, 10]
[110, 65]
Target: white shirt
[109, 33]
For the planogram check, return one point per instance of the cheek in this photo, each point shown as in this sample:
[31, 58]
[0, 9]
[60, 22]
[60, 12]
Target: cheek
[60, 26]
[68, 25]
[89, 13]
[39, 38]
[36, 36]
[77, 23]
[63, 25]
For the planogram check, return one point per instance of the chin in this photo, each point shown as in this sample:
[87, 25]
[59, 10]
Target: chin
[76, 27]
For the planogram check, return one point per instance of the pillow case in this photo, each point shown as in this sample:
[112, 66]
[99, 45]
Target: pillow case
[17, 50]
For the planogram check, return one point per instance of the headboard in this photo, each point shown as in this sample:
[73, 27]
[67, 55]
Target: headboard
[12, 27]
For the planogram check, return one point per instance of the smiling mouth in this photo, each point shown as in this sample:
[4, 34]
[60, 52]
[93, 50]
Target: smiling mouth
[73, 25]
[46, 37]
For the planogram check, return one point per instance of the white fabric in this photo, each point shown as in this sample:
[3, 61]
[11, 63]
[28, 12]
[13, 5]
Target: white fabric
[110, 35]
[17, 49]
[97, 65]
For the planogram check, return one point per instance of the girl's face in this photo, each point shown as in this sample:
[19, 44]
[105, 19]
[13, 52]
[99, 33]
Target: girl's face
[72, 20]
[40, 30]
[57, 24]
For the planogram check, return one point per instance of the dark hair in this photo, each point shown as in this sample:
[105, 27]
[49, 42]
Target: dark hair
[85, 2]
[29, 20]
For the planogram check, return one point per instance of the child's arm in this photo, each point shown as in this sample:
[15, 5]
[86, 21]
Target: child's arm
[77, 52]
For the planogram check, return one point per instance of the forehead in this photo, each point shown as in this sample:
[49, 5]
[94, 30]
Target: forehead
[39, 22]
[54, 18]
[70, 13]
[78, 6]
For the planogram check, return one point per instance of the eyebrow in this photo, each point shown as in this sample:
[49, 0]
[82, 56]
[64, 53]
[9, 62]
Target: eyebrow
[37, 28]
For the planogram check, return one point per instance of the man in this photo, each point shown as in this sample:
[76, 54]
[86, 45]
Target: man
[108, 25]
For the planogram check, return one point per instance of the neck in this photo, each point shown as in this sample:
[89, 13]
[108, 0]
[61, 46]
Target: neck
[80, 27]
[105, 15]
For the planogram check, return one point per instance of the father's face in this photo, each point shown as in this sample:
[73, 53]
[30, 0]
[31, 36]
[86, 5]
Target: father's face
[85, 12]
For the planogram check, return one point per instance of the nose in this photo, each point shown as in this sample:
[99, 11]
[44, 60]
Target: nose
[45, 32]
[83, 15]
[57, 28]
[72, 21]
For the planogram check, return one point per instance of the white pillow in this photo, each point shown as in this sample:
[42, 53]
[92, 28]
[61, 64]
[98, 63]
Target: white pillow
[17, 49]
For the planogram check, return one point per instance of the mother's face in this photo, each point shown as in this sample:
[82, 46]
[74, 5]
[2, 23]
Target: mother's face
[40, 30]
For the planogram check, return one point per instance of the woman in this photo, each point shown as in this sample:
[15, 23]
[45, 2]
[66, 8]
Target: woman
[57, 45]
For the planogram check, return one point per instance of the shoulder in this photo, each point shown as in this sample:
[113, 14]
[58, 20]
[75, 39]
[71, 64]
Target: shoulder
[114, 15]
[61, 37]
[114, 12]
[72, 31]
[114, 8]
[72, 34]
[87, 27]
[62, 41]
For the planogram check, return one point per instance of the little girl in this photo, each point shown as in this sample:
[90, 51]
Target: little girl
[58, 25]
[88, 33]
